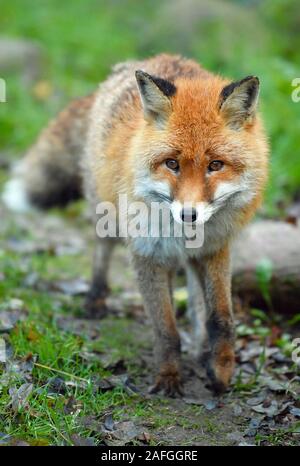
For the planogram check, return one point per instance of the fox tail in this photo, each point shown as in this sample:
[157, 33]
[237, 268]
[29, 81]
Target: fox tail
[50, 173]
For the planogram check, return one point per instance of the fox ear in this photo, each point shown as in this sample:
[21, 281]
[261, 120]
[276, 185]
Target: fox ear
[155, 96]
[239, 101]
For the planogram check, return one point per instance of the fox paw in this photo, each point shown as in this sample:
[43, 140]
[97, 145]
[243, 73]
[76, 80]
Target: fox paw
[220, 369]
[170, 384]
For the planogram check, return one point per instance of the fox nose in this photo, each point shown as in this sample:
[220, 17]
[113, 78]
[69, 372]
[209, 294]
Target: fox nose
[188, 215]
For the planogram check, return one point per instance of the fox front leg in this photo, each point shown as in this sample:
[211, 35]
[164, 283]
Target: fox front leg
[95, 303]
[196, 310]
[154, 284]
[215, 276]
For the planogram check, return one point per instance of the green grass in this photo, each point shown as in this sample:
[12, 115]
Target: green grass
[39, 335]
[46, 419]
[59, 355]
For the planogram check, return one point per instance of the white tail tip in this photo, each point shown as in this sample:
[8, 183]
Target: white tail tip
[15, 197]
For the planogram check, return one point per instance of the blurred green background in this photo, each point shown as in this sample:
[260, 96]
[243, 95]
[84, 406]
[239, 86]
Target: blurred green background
[79, 41]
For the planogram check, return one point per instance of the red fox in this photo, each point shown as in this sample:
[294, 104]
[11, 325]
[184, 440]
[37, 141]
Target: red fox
[164, 130]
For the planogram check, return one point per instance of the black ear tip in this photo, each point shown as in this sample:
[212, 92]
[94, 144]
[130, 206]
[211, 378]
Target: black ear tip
[254, 79]
[141, 75]
[138, 74]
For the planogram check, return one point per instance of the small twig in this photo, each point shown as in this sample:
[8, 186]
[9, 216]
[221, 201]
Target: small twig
[42, 366]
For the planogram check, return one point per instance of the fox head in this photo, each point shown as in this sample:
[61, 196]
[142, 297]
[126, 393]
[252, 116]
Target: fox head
[201, 146]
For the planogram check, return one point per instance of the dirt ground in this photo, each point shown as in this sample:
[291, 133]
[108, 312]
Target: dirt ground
[261, 408]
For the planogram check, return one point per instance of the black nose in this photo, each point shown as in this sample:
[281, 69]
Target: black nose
[189, 215]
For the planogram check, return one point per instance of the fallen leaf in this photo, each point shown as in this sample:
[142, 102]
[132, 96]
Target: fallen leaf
[211, 404]
[16, 442]
[145, 437]
[78, 384]
[4, 439]
[17, 370]
[237, 410]
[254, 424]
[102, 384]
[56, 385]
[295, 411]
[39, 442]
[109, 383]
[72, 406]
[8, 319]
[80, 441]
[15, 304]
[254, 350]
[235, 437]
[273, 384]
[19, 396]
[124, 432]
[257, 400]
[292, 220]
[246, 444]
[74, 287]
[91, 423]
[33, 335]
[111, 363]
[270, 408]
[109, 423]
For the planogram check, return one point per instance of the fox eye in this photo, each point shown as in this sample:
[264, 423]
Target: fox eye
[172, 164]
[215, 165]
